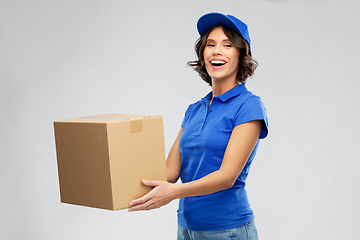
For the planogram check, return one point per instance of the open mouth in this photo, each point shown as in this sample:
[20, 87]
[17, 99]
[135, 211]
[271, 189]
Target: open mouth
[217, 63]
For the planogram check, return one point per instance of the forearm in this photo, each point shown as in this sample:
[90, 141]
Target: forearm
[213, 182]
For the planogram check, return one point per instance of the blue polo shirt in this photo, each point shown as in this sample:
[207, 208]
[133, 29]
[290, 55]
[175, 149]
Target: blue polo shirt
[205, 135]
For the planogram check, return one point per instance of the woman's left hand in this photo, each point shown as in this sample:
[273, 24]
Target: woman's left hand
[159, 196]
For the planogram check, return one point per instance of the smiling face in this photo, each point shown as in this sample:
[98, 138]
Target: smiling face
[221, 57]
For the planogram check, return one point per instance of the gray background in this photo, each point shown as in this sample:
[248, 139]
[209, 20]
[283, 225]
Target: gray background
[65, 59]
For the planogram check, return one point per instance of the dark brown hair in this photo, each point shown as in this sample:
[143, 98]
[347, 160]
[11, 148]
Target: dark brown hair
[247, 64]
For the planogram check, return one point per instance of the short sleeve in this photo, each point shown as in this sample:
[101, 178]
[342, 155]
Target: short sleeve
[253, 109]
[186, 116]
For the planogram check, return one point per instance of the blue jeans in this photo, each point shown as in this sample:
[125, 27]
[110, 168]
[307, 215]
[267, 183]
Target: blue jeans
[245, 232]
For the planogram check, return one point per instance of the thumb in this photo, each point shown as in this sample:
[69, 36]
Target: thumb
[153, 183]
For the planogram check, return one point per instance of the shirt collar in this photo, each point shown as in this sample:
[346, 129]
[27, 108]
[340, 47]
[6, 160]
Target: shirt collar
[234, 92]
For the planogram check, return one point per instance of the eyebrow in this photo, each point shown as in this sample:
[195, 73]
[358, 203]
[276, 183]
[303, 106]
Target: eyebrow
[224, 40]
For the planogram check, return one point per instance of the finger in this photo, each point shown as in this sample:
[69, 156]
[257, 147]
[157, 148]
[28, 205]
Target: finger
[141, 200]
[153, 183]
[143, 206]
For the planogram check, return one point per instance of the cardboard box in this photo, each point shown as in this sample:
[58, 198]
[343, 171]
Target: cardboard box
[102, 159]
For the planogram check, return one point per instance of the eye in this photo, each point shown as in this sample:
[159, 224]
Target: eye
[228, 45]
[210, 45]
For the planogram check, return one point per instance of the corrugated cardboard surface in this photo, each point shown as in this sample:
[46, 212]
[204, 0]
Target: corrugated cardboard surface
[102, 158]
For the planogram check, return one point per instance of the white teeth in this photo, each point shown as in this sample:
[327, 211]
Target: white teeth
[217, 62]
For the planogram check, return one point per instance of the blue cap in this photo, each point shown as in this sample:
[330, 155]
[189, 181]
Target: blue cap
[212, 19]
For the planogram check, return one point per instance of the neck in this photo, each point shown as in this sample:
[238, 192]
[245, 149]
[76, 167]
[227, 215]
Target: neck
[220, 87]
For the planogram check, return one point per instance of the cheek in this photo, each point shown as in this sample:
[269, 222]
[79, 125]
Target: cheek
[206, 59]
[235, 60]
[206, 54]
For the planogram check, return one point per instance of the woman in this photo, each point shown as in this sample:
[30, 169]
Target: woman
[217, 141]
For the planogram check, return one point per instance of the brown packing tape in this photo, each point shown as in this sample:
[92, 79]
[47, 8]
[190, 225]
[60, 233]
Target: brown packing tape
[136, 126]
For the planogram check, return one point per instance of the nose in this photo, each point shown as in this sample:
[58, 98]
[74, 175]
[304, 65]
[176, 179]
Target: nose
[217, 51]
